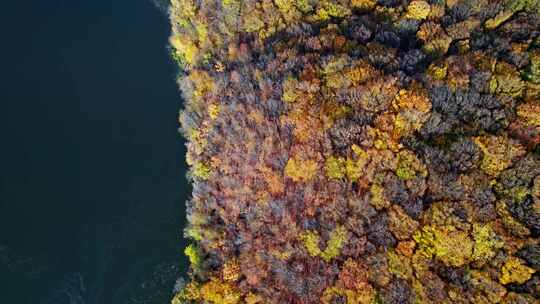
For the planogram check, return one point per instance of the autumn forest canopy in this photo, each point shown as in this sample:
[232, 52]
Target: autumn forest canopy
[361, 151]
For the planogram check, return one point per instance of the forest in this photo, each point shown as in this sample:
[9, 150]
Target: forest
[360, 151]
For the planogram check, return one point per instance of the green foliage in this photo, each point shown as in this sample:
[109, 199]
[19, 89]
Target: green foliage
[194, 255]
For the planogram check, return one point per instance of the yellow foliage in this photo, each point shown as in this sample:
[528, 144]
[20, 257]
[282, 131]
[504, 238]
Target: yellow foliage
[337, 240]
[409, 166]
[353, 168]
[514, 271]
[311, 242]
[202, 82]
[378, 199]
[300, 170]
[288, 10]
[485, 242]
[330, 9]
[202, 32]
[499, 152]
[361, 73]
[400, 266]
[364, 296]
[190, 292]
[363, 4]
[438, 45]
[411, 106]
[530, 112]
[282, 255]
[337, 81]
[438, 71]
[335, 167]
[218, 292]
[230, 2]
[498, 19]
[252, 298]
[506, 80]
[338, 167]
[418, 10]
[332, 112]
[452, 247]
[252, 22]
[289, 89]
[354, 165]
[494, 292]
[335, 65]
[185, 48]
[410, 99]
[359, 152]
[186, 11]
[193, 254]
[201, 170]
[213, 111]
[231, 270]
[510, 222]
[304, 6]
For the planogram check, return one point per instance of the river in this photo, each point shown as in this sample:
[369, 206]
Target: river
[92, 170]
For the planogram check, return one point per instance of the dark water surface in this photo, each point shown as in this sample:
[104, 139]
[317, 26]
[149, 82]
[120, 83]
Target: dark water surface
[92, 185]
